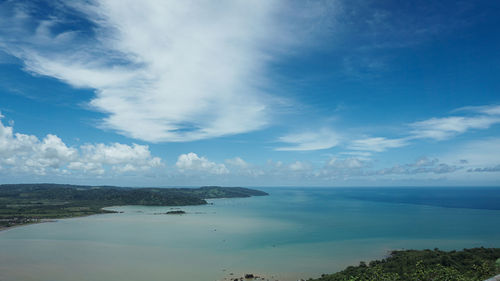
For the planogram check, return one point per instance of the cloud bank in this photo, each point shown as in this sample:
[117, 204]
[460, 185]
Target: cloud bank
[21, 153]
[24, 156]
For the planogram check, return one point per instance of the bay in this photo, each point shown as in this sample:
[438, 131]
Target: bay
[293, 233]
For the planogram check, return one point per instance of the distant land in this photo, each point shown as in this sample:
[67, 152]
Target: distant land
[30, 203]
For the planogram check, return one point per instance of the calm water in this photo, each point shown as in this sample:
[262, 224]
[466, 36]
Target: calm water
[291, 234]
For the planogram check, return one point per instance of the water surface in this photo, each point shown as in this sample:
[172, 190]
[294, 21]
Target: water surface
[293, 233]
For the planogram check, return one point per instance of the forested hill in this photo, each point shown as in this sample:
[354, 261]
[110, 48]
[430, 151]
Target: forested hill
[123, 195]
[24, 203]
[476, 264]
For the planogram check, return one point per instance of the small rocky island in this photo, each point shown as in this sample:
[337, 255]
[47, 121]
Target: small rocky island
[31, 203]
[176, 212]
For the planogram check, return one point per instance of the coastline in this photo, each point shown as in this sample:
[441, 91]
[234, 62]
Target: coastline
[6, 228]
[23, 204]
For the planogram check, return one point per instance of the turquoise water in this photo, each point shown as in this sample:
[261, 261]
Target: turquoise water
[293, 233]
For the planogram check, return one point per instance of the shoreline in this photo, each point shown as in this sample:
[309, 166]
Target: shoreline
[6, 228]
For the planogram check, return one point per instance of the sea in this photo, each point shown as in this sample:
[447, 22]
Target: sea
[291, 234]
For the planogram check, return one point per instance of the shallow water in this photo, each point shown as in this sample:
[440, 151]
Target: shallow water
[293, 233]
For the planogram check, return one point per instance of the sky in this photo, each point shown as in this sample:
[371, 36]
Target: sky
[250, 93]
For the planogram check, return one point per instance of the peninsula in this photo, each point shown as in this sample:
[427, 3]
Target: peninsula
[30, 203]
[475, 264]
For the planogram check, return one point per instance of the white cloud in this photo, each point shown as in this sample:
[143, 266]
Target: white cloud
[122, 157]
[423, 165]
[447, 127]
[342, 168]
[192, 162]
[299, 166]
[424, 161]
[348, 163]
[360, 154]
[27, 154]
[240, 167]
[377, 144]
[435, 128]
[87, 167]
[52, 152]
[321, 139]
[476, 154]
[237, 161]
[485, 109]
[163, 70]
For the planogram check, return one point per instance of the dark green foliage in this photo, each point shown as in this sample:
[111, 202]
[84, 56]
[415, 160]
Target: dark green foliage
[468, 265]
[25, 203]
[209, 192]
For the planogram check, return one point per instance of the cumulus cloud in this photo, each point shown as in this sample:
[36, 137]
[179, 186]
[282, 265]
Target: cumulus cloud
[343, 168]
[299, 166]
[238, 162]
[28, 154]
[240, 167]
[161, 70]
[311, 140]
[191, 162]
[348, 163]
[122, 157]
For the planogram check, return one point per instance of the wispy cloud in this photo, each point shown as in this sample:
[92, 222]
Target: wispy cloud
[485, 109]
[448, 127]
[162, 70]
[310, 140]
[436, 128]
[377, 144]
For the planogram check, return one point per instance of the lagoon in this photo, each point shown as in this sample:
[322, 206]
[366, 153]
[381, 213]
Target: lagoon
[293, 233]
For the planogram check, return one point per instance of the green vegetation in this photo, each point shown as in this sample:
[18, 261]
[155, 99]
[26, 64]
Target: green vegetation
[28, 203]
[475, 264]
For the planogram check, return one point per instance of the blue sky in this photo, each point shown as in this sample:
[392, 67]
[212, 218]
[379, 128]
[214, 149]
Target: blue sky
[253, 93]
